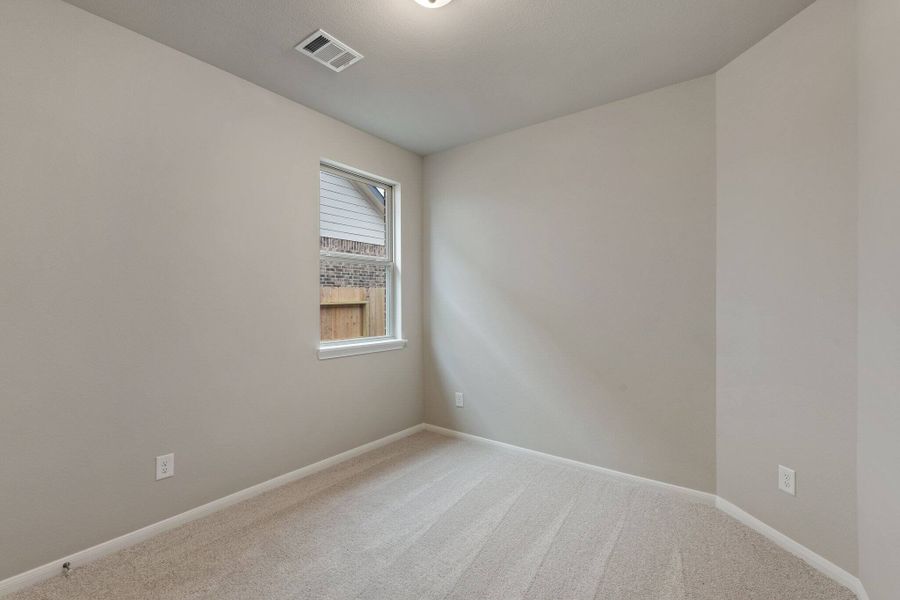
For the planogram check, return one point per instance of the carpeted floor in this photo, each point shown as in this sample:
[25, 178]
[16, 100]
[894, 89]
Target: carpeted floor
[434, 517]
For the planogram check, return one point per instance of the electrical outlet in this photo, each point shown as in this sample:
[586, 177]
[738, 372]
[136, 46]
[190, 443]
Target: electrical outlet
[459, 400]
[165, 466]
[787, 480]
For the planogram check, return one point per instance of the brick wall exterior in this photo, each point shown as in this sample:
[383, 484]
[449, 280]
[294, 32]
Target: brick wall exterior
[347, 274]
[349, 246]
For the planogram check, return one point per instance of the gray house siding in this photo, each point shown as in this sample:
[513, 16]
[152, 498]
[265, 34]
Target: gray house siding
[346, 214]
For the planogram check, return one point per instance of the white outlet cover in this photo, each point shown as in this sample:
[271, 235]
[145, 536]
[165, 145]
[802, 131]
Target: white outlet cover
[787, 480]
[459, 400]
[165, 466]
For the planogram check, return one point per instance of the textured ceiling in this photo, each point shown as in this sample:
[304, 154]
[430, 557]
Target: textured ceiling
[436, 78]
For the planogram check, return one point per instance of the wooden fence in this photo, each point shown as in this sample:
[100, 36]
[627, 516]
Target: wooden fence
[346, 313]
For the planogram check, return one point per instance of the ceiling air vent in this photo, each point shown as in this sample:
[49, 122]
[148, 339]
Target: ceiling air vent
[323, 48]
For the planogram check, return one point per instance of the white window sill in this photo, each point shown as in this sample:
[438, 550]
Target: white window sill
[338, 350]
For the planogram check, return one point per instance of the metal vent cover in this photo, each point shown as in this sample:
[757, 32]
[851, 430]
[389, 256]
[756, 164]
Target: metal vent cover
[323, 48]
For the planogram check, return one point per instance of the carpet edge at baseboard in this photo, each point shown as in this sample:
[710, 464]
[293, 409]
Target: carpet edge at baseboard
[696, 495]
[812, 558]
[54, 568]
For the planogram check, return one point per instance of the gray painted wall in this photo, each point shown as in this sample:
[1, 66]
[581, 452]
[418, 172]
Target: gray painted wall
[879, 298]
[158, 282]
[570, 286]
[786, 279]
[152, 205]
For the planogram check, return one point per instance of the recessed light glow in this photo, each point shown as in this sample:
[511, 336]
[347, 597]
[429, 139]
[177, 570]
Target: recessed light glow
[433, 3]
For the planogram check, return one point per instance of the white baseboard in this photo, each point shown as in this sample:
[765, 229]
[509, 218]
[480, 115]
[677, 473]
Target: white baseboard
[818, 562]
[38, 574]
[692, 494]
[815, 560]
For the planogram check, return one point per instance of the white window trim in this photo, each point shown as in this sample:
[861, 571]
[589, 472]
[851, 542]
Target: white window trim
[368, 346]
[394, 341]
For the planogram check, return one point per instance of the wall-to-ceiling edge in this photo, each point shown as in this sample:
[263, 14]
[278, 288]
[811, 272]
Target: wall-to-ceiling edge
[786, 297]
[570, 286]
[159, 268]
[876, 420]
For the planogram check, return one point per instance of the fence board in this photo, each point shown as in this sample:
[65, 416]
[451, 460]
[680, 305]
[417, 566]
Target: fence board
[347, 313]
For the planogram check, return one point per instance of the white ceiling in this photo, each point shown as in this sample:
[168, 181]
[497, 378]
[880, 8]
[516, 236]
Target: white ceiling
[436, 78]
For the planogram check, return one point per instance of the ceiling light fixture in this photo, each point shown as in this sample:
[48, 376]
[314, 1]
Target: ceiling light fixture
[433, 3]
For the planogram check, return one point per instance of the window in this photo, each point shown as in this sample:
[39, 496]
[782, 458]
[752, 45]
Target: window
[359, 275]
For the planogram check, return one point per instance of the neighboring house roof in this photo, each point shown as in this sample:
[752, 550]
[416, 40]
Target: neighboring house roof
[349, 210]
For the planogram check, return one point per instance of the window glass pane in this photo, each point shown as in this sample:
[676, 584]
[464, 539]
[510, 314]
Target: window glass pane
[352, 299]
[351, 216]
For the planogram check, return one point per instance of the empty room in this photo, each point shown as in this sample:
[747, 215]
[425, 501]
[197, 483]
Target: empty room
[450, 299]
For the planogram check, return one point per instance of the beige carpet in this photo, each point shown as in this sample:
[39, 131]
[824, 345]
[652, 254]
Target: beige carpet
[434, 517]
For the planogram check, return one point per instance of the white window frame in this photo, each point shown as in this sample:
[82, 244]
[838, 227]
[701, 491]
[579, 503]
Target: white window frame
[393, 340]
